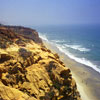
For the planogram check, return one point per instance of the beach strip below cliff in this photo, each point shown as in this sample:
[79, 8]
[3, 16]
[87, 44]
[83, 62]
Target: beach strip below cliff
[87, 79]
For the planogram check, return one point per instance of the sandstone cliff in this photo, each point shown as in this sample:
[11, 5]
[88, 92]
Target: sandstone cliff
[30, 71]
[26, 32]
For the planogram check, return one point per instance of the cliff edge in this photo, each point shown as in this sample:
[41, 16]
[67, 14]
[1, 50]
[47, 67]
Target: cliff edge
[30, 71]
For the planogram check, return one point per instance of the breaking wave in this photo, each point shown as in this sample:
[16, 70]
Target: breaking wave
[63, 49]
[77, 47]
[43, 36]
[58, 41]
[79, 60]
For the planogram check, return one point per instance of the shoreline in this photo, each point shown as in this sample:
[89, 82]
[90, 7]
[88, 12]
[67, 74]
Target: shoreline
[87, 79]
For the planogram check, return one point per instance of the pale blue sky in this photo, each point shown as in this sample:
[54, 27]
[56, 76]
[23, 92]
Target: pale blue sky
[49, 12]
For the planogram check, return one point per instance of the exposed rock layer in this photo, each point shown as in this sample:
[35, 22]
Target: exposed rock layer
[30, 71]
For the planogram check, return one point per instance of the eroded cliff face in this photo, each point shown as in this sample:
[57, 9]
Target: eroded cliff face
[25, 32]
[29, 71]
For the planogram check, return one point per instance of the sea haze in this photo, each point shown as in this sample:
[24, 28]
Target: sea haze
[80, 42]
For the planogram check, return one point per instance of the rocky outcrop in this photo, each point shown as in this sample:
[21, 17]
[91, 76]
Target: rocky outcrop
[8, 93]
[29, 71]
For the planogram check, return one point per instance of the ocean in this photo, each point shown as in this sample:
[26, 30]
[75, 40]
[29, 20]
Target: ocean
[79, 42]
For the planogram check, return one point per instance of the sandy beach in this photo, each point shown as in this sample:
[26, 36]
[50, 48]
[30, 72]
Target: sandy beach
[87, 79]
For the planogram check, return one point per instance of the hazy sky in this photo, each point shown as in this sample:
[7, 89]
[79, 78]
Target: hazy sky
[49, 12]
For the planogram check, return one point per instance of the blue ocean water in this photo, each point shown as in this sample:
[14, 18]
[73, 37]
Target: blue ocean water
[80, 42]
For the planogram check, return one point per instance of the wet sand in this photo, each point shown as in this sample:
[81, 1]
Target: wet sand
[87, 79]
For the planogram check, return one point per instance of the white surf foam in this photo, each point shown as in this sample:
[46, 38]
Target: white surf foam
[58, 41]
[62, 48]
[79, 60]
[43, 36]
[78, 47]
